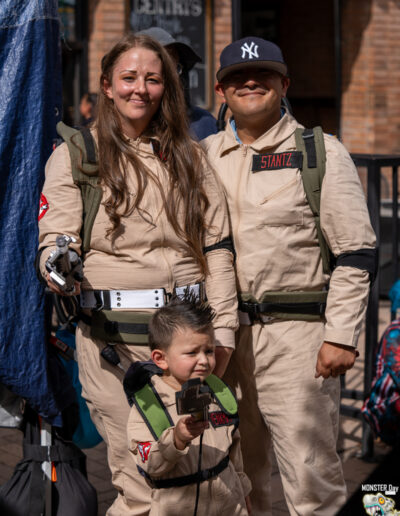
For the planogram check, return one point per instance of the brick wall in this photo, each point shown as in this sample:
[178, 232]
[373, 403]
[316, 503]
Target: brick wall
[371, 76]
[107, 22]
[222, 36]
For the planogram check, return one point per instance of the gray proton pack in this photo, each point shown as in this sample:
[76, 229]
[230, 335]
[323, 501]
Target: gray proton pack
[64, 265]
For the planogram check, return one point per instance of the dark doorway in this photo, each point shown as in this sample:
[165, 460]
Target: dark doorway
[305, 31]
[74, 29]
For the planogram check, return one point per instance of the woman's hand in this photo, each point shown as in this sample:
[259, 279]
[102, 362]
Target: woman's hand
[187, 429]
[54, 288]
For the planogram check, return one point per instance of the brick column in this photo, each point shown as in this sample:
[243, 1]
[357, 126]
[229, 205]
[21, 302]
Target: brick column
[371, 76]
[107, 22]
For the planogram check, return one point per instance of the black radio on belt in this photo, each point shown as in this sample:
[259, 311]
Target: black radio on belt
[194, 399]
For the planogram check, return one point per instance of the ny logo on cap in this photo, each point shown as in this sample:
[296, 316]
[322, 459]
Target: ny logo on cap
[246, 48]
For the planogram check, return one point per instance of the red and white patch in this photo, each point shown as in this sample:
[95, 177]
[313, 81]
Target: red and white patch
[144, 450]
[43, 206]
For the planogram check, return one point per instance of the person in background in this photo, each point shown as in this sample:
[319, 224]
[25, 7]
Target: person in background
[87, 107]
[202, 123]
[300, 320]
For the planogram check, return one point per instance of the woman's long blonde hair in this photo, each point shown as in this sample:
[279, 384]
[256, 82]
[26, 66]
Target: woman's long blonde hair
[181, 157]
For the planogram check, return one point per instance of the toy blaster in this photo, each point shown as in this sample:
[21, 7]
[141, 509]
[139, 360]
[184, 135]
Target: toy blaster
[194, 399]
[64, 265]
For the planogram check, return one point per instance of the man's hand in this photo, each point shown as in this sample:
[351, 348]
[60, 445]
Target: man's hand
[187, 429]
[334, 359]
[222, 357]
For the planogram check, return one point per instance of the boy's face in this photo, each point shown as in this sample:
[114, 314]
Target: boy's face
[189, 355]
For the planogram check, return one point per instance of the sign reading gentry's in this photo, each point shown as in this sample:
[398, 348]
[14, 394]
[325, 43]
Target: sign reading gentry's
[186, 21]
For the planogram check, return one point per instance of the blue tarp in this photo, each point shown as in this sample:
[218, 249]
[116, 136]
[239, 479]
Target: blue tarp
[30, 103]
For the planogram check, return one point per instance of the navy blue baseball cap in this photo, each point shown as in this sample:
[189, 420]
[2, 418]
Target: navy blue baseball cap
[251, 52]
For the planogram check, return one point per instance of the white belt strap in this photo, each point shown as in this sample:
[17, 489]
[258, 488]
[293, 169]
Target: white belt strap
[128, 299]
[131, 299]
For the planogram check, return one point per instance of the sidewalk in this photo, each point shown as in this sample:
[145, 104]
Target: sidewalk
[356, 470]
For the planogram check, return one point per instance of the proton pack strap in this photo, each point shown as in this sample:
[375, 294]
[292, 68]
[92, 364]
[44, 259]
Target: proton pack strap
[365, 259]
[311, 143]
[82, 150]
[308, 137]
[222, 394]
[90, 145]
[200, 476]
[225, 243]
[152, 410]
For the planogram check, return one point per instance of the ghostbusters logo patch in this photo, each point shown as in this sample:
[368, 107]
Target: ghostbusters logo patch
[220, 419]
[43, 206]
[144, 450]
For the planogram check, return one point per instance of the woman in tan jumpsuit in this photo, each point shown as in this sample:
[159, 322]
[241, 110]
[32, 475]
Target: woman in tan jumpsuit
[161, 225]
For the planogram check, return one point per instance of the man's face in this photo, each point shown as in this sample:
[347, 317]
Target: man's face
[253, 92]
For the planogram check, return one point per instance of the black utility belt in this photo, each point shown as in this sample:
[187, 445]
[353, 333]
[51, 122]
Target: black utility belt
[307, 306]
[200, 476]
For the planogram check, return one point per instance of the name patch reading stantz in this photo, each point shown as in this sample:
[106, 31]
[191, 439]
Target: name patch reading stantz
[290, 159]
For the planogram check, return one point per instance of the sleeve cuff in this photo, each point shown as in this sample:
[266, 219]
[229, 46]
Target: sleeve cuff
[225, 337]
[346, 338]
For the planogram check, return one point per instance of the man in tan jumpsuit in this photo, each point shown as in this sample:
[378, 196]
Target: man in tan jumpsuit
[286, 367]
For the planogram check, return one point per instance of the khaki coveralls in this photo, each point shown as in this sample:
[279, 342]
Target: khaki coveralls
[223, 495]
[273, 367]
[146, 254]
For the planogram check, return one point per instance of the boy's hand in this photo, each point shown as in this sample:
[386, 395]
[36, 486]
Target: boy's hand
[187, 429]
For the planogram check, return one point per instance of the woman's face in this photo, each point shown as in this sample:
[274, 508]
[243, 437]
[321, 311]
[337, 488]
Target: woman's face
[137, 87]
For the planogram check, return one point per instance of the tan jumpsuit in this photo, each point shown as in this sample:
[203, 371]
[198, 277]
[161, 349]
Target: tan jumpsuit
[273, 367]
[146, 254]
[222, 495]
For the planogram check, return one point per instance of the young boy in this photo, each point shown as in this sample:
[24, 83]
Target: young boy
[167, 447]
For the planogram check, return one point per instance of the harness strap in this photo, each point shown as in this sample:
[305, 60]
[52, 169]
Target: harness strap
[308, 137]
[222, 394]
[200, 476]
[152, 410]
[311, 143]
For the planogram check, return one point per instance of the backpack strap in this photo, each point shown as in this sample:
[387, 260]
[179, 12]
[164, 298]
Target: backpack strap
[311, 143]
[140, 391]
[84, 164]
[223, 395]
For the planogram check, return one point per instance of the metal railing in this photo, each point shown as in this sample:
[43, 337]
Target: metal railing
[374, 163]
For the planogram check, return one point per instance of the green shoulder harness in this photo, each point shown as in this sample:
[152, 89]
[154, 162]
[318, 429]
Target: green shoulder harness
[140, 391]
